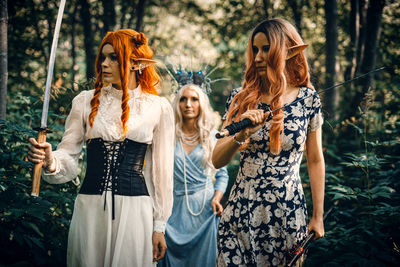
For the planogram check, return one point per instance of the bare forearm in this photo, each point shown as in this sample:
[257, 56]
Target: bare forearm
[316, 171]
[218, 195]
[224, 151]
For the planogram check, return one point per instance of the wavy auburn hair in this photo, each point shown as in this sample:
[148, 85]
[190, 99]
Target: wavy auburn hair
[206, 121]
[280, 73]
[128, 45]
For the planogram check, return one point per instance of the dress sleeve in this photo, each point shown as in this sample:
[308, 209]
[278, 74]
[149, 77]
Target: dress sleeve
[162, 166]
[221, 179]
[316, 119]
[68, 151]
[221, 176]
[229, 102]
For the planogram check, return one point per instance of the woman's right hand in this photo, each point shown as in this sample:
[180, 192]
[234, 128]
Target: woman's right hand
[37, 155]
[257, 117]
[226, 148]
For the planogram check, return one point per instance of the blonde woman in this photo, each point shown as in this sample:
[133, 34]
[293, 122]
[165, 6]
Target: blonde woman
[191, 231]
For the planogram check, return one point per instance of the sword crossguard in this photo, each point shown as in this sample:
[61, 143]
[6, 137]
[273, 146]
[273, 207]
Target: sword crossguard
[38, 129]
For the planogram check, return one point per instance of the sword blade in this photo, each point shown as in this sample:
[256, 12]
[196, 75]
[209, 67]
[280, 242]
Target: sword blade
[52, 59]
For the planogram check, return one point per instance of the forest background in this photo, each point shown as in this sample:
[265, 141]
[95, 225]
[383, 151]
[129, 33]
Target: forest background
[346, 38]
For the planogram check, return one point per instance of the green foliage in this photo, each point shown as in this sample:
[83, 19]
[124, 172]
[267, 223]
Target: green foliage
[362, 162]
[363, 186]
[33, 230]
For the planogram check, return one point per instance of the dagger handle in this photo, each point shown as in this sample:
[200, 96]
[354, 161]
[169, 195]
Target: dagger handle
[37, 169]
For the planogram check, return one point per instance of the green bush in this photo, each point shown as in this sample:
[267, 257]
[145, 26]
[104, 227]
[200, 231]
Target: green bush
[33, 230]
[363, 186]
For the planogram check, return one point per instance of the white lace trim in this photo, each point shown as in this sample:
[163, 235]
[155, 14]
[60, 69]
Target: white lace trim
[159, 226]
[110, 109]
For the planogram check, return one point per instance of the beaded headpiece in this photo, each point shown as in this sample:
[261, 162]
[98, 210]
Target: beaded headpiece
[183, 76]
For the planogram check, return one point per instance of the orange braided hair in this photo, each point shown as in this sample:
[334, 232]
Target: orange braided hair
[128, 45]
[280, 72]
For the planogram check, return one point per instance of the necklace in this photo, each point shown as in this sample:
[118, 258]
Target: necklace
[186, 191]
[188, 139]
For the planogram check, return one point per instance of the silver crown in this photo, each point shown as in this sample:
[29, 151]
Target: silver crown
[183, 76]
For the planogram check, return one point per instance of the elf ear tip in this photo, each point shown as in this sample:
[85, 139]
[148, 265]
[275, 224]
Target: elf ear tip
[295, 50]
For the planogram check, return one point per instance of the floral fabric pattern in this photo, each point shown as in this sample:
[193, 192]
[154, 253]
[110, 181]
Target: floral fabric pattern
[266, 212]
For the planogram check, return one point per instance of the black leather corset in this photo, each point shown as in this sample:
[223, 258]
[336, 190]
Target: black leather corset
[115, 167]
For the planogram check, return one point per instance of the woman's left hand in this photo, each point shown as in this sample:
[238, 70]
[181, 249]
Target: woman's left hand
[159, 246]
[317, 225]
[217, 207]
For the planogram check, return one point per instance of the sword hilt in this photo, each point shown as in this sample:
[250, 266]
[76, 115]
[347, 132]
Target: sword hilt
[37, 169]
[236, 127]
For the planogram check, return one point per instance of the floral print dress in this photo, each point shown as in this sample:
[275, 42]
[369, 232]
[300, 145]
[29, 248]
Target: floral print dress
[266, 212]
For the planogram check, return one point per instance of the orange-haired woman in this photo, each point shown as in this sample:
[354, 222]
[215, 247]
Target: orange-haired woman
[266, 215]
[121, 210]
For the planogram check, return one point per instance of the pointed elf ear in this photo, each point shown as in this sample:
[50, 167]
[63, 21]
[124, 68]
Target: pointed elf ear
[142, 63]
[295, 50]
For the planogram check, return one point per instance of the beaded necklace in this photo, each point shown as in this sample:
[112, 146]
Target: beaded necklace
[190, 140]
[186, 191]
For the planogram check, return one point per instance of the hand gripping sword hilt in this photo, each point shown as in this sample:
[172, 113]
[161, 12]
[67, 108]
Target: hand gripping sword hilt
[37, 168]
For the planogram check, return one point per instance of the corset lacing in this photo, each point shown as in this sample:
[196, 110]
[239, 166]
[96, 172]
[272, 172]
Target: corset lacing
[112, 164]
[115, 167]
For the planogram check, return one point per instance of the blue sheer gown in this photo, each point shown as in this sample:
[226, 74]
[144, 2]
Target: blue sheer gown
[192, 240]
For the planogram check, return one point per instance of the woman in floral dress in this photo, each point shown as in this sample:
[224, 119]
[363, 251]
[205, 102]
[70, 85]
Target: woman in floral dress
[266, 214]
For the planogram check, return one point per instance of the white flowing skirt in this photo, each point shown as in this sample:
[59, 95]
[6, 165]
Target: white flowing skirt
[97, 240]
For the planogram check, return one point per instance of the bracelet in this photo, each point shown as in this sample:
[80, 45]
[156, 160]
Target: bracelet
[237, 141]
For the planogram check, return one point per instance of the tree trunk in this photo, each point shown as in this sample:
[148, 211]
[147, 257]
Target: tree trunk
[125, 9]
[363, 22]
[109, 18]
[140, 15]
[266, 6]
[73, 52]
[87, 38]
[3, 59]
[372, 34]
[331, 34]
[133, 9]
[354, 26]
[297, 7]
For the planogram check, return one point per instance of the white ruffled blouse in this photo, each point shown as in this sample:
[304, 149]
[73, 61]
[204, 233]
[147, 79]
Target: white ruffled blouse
[150, 121]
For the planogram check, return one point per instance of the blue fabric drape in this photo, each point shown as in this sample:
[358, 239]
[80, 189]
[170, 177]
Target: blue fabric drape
[192, 240]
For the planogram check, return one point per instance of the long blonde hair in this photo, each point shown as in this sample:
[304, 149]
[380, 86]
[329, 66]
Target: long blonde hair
[205, 122]
[281, 36]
